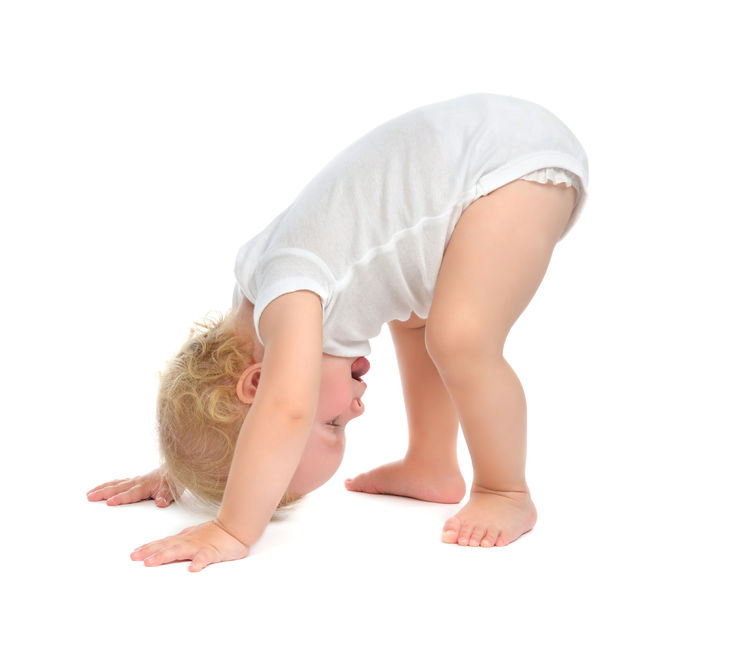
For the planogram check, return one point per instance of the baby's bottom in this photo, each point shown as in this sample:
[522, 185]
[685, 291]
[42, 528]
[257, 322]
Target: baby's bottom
[561, 176]
[489, 273]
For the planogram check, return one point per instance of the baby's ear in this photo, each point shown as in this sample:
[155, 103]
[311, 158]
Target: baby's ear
[248, 384]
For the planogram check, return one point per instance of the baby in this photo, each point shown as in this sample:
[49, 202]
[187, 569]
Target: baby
[440, 223]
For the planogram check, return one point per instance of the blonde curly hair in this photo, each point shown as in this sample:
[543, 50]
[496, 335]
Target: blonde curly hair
[199, 414]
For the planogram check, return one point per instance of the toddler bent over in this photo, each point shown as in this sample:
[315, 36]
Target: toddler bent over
[441, 223]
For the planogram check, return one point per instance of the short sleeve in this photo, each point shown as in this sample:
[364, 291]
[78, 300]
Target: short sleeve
[289, 269]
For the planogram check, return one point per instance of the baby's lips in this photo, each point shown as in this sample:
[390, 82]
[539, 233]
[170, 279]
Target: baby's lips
[360, 367]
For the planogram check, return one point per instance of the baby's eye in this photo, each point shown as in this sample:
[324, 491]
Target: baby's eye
[333, 423]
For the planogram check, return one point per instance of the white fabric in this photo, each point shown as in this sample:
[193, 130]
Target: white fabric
[368, 233]
[556, 176]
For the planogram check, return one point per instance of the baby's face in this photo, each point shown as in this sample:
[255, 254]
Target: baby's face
[340, 395]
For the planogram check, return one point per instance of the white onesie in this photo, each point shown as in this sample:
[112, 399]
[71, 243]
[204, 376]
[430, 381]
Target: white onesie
[368, 233]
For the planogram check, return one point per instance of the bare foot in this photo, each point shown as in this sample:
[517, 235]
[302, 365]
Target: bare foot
[493, 518]
[435, 484]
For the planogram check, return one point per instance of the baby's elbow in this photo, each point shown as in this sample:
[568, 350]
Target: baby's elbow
[298, 415]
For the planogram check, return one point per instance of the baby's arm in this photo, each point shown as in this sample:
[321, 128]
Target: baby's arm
[276, 429]
[270, 443]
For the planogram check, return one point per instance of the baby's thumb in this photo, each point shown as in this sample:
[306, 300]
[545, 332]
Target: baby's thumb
[163, 494]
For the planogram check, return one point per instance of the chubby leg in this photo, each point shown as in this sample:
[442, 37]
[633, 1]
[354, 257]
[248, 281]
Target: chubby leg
[497, 256]
[429, 471]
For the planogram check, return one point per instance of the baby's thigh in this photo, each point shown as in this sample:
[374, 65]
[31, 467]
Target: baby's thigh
[496, 258]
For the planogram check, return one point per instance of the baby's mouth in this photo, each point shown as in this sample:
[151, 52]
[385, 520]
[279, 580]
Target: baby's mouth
[359, 368]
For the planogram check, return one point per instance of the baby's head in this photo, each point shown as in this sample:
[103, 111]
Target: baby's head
[203, 401]
[199, 414]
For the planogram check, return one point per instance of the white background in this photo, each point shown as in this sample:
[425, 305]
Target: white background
[142, 142]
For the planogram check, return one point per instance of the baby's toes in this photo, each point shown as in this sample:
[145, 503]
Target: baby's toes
[360, 482]
[450, 531]
[490, 537]
[465, 533]
[479, 532]
[504, 539]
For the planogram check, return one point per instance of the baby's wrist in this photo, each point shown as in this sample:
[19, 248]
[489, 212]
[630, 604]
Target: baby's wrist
[218, 523]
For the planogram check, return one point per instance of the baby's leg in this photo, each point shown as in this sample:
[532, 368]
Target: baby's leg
[429, 471]
[497, 256]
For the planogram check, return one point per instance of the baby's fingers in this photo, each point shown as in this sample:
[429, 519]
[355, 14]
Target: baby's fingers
[172, 553]
[158, 554]
[129, 495]
[202, 559]
[110, 489]
[105, 484]
[145, 550]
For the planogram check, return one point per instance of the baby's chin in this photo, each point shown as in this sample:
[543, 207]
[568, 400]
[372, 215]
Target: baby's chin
[306, 485]
[298, 490]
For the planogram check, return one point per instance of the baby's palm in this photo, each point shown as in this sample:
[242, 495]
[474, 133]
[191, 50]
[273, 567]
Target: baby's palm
[131, 490]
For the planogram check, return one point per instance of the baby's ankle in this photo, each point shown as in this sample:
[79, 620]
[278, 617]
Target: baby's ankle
[505, 490]
[431, 461]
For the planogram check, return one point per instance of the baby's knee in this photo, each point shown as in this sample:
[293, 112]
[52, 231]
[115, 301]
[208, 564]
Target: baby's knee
[460, 346]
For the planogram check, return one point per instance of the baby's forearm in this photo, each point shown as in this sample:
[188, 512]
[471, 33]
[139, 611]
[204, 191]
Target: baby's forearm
[267, 454]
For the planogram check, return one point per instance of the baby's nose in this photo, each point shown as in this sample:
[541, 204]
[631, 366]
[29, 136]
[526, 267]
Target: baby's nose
[357, 407]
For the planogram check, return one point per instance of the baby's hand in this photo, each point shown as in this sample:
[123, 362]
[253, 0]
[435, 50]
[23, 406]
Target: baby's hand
[131, 490]
[204, 544]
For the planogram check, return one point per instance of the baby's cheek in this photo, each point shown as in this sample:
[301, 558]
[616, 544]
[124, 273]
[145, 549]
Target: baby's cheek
[333, 404]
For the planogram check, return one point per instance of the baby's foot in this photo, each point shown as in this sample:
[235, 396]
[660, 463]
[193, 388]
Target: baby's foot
[435, 484]
[491, 519]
